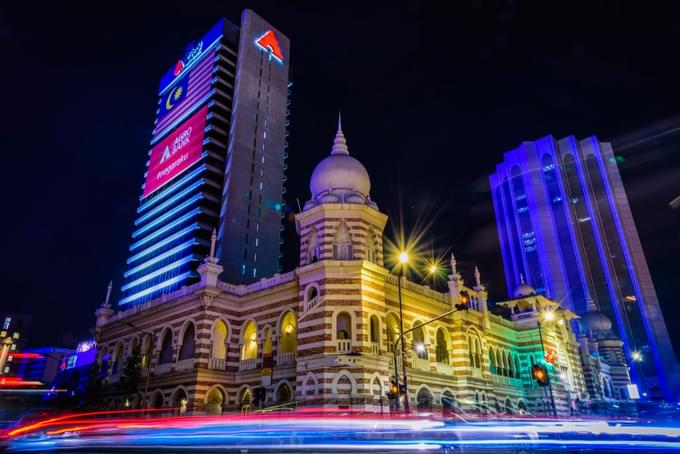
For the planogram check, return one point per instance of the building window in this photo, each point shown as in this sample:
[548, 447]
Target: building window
[344, 326]
[442, 349]
[5, 324]
[186, 351]
[342, 243]
[419, 342]
[166, 349]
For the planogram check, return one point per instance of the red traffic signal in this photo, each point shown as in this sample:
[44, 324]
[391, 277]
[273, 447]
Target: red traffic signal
[540, 374]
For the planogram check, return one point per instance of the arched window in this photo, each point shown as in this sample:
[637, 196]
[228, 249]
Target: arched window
[517, 368]
[392, 323]
[283, 394]
[342, 243]
[425, 399]
[343, 328]
[219, 340]
[146, 351]
[311, 296]
[371, 248]
[475, 348]
[313, 247]
[249, 339]
[374, 329]
[492, 360]
[267, 345]
[511, 366]
[118, 360]
[165, 356]
[419, 343]
[442, 351]
[288, 330]
[186, 351]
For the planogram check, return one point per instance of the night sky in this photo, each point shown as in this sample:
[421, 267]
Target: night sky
[430, 99]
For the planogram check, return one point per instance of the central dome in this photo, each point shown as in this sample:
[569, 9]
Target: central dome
[340, 178]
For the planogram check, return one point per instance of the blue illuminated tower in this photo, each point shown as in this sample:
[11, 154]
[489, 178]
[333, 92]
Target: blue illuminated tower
[216, 162]
[565, 225]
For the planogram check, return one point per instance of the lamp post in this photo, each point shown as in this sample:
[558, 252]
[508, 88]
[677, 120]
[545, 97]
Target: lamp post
[148, 361]
[458, 307]
[549, 316]
[403, 260]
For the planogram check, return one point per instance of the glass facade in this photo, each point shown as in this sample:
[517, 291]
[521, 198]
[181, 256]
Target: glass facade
[564, 222]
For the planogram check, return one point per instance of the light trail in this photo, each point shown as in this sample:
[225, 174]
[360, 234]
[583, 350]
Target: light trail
[316, 431]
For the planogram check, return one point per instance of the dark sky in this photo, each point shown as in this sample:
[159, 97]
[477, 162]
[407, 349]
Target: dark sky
[430, 99]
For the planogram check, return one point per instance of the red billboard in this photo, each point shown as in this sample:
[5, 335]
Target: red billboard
[176, 153]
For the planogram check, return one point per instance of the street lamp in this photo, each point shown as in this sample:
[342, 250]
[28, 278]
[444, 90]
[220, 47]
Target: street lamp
[637, 356]
[403, 260]
[148, 360]
[419, 347]
[548, 316]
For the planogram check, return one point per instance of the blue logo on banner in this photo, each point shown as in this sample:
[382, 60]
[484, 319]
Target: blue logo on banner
[174, 96]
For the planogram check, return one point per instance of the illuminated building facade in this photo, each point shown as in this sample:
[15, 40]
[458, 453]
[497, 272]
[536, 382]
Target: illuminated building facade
[216, 162]
[323, 334]
[565, 225]
[13, 336]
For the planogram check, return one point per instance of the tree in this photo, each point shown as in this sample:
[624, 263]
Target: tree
[94, 388]
[132, 373]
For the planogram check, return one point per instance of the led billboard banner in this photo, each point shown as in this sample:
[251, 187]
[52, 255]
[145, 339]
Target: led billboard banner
[176, 153]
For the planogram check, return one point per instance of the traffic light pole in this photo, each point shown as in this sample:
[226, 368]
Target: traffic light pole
[458, 307]
[549, 387]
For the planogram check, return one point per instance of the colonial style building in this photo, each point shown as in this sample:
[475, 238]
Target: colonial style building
[323, 334]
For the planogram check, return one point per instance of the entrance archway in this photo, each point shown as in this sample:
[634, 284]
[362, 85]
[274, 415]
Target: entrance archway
[214, 401]
[424, 399]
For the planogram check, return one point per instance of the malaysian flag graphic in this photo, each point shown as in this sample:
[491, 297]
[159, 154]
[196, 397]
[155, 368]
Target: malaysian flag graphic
[185, 96]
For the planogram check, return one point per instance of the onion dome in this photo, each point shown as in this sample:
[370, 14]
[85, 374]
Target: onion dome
[596, 322]
[340, 178]
[524, 289]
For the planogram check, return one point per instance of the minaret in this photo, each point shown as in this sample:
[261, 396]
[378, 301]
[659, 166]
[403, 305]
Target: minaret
[454, 283]
[104, 312]
[483, 298]
[210, 270]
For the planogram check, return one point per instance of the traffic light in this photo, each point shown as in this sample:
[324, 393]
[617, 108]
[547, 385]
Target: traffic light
[461, 306]
[540, 374]
[393, 391]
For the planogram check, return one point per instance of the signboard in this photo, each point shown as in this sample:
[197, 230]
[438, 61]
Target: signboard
[176, 153]
[194, 51]
[270, 45]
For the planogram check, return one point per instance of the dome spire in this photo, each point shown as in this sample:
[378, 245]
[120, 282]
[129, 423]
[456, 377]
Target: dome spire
[339, 143]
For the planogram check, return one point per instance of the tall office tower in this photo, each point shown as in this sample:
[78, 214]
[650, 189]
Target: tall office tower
[216, 162]
[566, 227]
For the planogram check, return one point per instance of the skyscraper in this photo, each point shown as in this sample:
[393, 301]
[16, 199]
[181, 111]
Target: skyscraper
[566, 227]
[216, 162]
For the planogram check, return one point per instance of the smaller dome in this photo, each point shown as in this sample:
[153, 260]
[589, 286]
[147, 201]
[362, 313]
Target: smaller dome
[340, 178]
[524, 289]
[596, 322]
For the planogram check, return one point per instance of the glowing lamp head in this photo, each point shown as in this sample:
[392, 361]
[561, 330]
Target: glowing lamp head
[420, 348]
[403, 257]
[637, 356]
[433, 269]
[548, 316]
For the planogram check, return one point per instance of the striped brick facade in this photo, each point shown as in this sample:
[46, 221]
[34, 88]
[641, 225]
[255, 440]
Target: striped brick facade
[341, 305]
